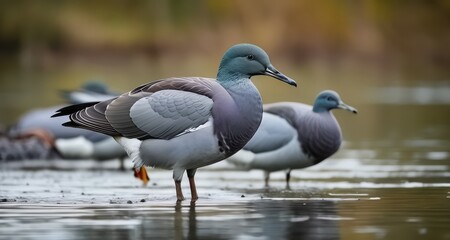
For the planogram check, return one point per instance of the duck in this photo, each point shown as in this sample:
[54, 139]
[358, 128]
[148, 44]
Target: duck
[293, 135]
[184, 123]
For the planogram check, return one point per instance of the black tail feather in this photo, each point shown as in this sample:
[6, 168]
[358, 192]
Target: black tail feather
[72, 109]
[71, 124]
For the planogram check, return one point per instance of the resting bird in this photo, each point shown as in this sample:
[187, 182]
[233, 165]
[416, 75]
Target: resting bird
[40, 118]
[293, 136]
[91, 91]
[184, 123]
[75, 143]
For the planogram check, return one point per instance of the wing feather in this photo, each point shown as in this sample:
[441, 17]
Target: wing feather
[273, 133]
[93, 118]
[160, 109]
[168, 113]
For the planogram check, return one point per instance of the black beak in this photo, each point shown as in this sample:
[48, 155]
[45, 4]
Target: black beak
[273, 72]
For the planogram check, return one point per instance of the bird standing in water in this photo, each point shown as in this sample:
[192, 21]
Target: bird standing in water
[188, 122]
[293, 136]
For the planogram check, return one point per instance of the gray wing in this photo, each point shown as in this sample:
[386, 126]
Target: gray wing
[278, 127]
[273, 133]
[160, 109]
[168, 113]
[291, 111]
[319, 135]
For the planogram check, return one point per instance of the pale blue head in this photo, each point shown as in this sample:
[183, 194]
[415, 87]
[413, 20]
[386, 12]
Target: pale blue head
[245, 61]
[328, 100]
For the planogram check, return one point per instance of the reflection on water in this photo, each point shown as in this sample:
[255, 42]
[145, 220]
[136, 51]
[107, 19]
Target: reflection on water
[267, 219]
[397, 214]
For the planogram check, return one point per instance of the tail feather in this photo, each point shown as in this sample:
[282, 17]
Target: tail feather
[90, 116]
[70, 124]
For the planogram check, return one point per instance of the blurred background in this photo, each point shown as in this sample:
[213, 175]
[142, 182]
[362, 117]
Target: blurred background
[376, 54]
[389, 59]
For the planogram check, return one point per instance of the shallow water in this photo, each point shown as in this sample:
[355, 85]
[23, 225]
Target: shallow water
[389, 181]
[343, 198]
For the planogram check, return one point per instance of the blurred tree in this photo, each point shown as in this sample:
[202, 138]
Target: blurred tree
[58, 43]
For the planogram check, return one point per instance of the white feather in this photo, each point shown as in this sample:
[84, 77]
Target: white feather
[132, 146]
[78, 147]
[189, 130]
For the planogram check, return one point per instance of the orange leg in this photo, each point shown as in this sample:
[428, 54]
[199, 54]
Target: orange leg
[142, 174]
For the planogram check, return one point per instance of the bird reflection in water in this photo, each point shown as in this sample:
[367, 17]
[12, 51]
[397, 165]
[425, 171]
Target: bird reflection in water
[178, 221]
[271, 219]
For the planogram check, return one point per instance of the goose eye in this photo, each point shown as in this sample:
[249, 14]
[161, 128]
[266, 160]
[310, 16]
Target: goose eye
[329, 98]
[250, 57]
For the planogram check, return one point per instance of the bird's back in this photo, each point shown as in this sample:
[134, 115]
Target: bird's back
[319, 134]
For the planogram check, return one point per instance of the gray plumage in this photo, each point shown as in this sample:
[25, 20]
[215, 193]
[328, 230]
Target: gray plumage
[89, 92]
[185, 123]
[40, 119]
[294, 135]
[73, 143]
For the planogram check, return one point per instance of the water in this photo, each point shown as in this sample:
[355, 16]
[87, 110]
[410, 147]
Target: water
[359, 194]
[390, 180]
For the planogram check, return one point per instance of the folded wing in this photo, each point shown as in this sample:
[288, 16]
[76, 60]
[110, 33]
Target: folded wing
[160, 109]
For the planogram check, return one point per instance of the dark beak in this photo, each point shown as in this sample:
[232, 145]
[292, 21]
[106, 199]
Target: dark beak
[273, 72]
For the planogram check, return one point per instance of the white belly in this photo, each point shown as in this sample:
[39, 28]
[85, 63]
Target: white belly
[189, 151]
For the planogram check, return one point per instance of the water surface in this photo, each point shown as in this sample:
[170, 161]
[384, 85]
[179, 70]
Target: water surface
[389, 181]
